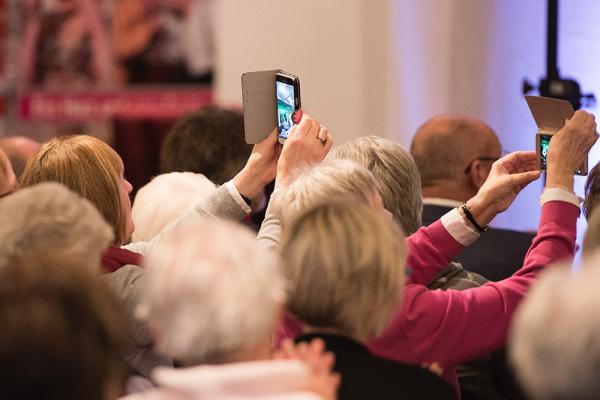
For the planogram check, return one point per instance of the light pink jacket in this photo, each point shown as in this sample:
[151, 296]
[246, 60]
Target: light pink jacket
[264, 380]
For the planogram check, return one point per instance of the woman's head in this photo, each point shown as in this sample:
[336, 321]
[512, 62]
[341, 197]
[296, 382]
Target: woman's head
[345, 266]
[90, 168]
[395, 172]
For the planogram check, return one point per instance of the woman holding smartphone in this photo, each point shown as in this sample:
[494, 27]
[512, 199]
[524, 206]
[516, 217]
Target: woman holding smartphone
[95, 171]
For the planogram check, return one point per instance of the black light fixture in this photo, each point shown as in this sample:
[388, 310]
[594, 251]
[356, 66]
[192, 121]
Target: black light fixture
[552, 85]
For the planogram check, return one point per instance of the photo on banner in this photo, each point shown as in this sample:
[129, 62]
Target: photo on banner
[120, 70]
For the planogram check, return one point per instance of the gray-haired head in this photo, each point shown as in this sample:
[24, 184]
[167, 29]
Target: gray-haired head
[210, 293]
[48, 217]
[331, 180]
[555, 338]
[396, 175]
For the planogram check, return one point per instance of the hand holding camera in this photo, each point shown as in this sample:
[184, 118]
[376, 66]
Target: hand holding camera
[569, 148]
[508, 176]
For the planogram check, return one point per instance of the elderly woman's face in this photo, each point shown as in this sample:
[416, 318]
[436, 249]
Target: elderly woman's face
[126, 189]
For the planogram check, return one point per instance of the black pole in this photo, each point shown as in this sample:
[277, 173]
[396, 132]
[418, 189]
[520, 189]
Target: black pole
[552, 40]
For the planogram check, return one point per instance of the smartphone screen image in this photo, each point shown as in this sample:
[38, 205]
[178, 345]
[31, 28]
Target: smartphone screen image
[544, 144]
[288, 101]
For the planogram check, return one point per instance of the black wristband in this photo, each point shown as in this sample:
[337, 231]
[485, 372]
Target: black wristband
[247, 200]
[472, 219]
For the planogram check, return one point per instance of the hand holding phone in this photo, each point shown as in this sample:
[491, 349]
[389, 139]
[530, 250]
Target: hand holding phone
[543, 144]
[550, 116]
[568, 149]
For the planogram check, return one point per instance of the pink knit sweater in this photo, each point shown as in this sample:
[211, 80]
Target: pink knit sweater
[452, 327]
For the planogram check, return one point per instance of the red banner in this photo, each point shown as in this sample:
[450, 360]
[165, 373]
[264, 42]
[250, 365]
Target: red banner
[163, 103]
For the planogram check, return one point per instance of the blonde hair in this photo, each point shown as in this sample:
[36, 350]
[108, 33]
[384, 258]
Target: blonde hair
[396, 174]
[88, 167]
[331, 180]
[345, 265]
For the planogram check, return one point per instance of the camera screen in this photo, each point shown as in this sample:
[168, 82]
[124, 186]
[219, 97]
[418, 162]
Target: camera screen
[544, 143]
[285, 108]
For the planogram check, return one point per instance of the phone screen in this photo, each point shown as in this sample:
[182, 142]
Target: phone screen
[544, 144]
[286, 105]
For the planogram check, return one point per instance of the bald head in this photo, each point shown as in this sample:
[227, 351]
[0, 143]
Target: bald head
[446, 145]
[19, 150]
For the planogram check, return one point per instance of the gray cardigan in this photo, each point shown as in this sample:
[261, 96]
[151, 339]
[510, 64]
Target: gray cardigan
[126, 281]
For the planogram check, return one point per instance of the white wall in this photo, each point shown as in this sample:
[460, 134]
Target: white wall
[469, 57]
[338, 48]
[385, 66]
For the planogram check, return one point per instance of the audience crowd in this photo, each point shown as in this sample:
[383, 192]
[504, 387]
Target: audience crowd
[371, 274]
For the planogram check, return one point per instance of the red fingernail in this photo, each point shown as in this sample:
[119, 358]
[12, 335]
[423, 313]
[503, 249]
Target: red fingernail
[297, 116]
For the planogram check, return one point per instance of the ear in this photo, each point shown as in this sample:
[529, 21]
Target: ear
[478, 173]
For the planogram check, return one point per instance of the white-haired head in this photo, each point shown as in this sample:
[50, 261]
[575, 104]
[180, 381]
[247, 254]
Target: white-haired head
[210, 293]
[555, 337]
[164, 199]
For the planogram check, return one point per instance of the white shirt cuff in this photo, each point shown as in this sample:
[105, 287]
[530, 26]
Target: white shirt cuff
[237, 197]
[458, 228]
[559, 194]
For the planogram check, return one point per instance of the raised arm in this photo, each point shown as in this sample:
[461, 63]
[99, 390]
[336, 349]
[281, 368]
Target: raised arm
[452, 327]
[432, 248]
[267, 160]
[300, 149]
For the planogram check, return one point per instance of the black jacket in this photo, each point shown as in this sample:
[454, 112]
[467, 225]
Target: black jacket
[366, 376]
[496, 255]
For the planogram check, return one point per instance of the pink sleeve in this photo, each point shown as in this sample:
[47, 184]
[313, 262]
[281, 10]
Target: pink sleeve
[430, 249]
[451, 327]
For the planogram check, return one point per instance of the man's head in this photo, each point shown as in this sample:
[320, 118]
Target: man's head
[210, 141]
[19, 150]
[454, 155]
[396, 175]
